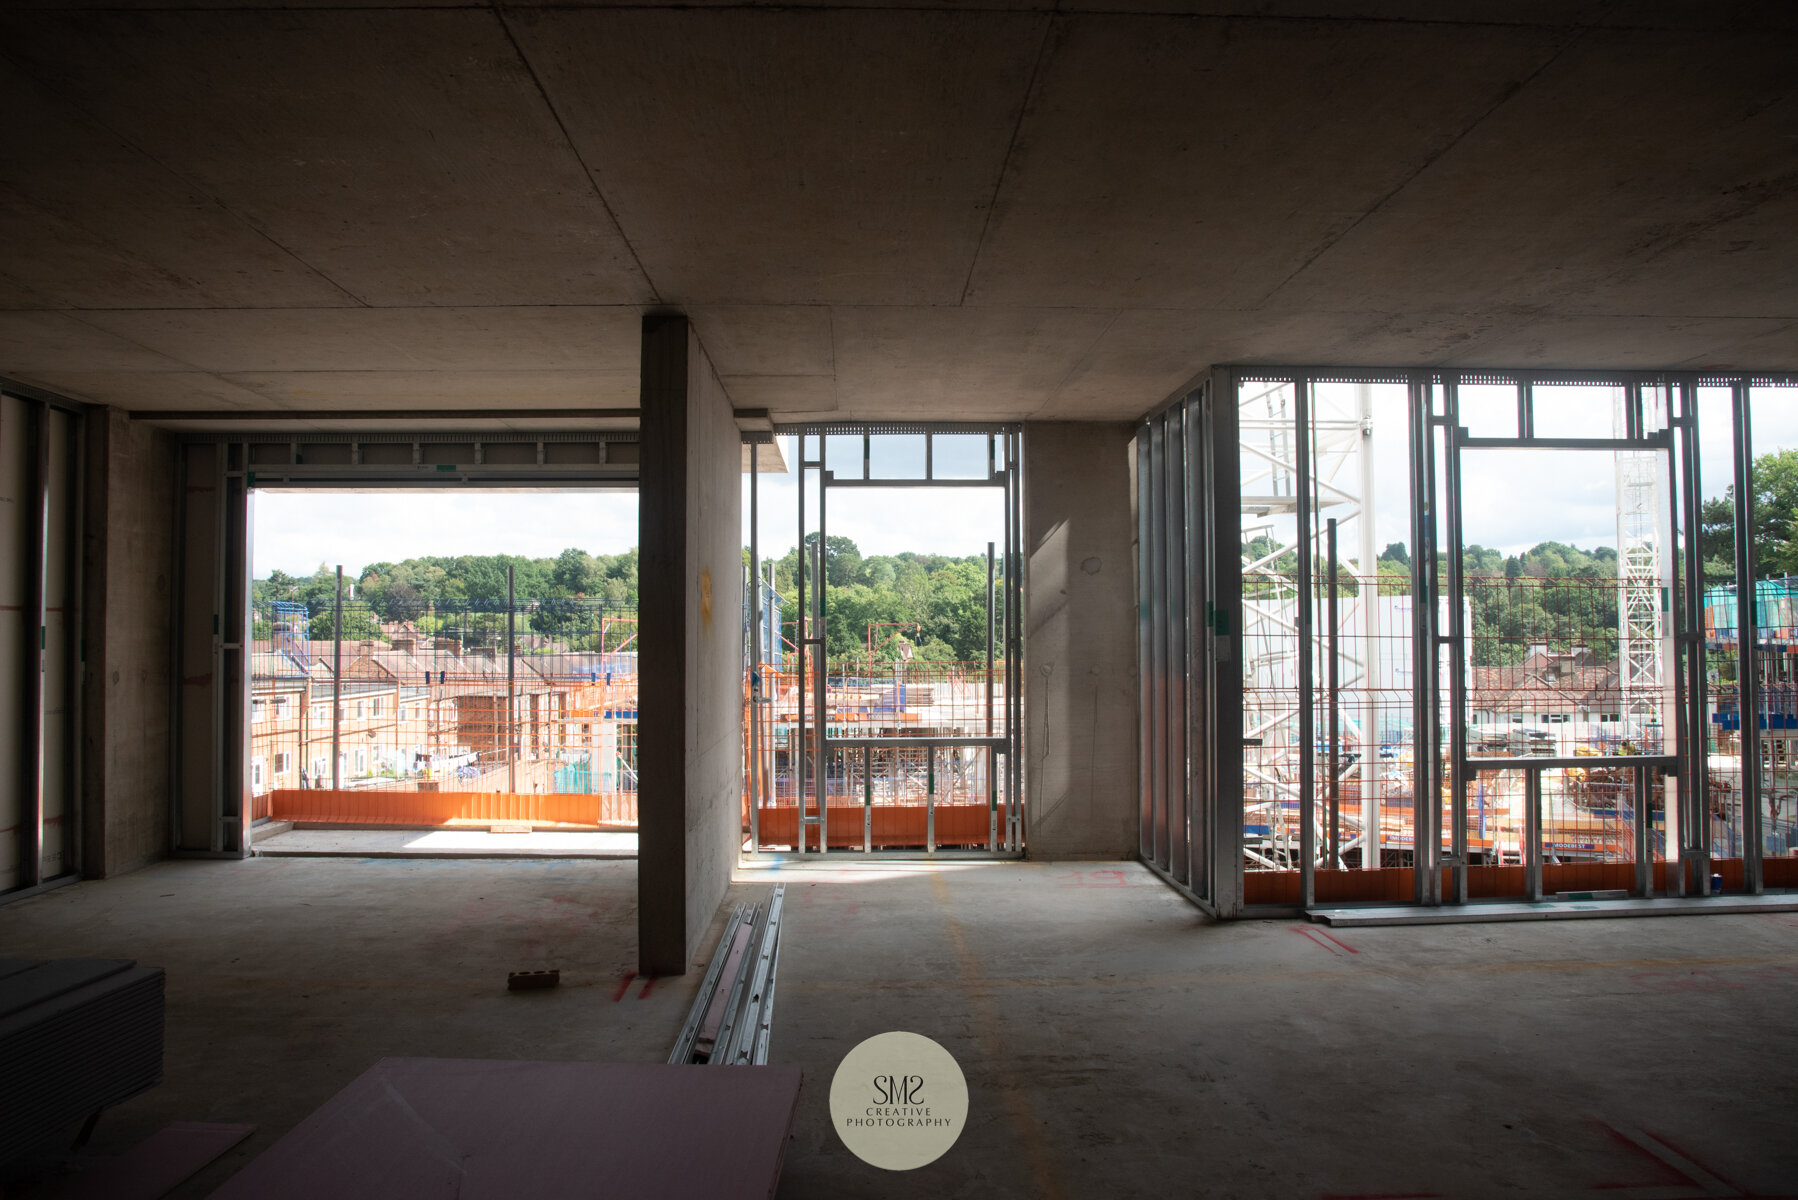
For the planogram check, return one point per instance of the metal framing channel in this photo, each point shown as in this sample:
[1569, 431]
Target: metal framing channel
[756, 684]
[821, 662]
[1747, 641]
[31, 844]
[1158, 665]
[1694, 747]
[1224, 683]
[682, 1054]
[1459, 776]
[1178, 677]
[1532, 825]
[1305, 612]
[1014, 647]
[1426, 807]
[1145, 643]
[1198, 817]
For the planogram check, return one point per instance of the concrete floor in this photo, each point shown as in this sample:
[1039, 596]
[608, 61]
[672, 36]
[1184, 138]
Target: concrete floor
[1115, 1043]
[446, 843]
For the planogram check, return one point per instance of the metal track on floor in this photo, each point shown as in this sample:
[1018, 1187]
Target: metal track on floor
[733, 1015]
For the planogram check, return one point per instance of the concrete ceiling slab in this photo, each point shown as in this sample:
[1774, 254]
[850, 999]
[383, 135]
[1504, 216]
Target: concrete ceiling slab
[89, 220]
[54, 341]
[792, 157]
[766, 339]
[475, 390]
[881, 211]
[946, 363]
[571, 338]
[406, 155]
[145, 391]
[1160, 352]
[1235, 154]
[1601, 187]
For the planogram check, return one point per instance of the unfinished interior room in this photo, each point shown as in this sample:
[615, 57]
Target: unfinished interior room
[1232, 566]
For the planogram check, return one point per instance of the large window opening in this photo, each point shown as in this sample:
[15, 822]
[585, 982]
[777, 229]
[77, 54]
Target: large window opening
[882, 689]
[444, 659]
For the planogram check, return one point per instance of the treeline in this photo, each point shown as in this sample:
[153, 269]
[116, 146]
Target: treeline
[1513, 599]
[408, 590]
[934, 603]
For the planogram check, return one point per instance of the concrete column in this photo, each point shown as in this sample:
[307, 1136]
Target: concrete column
[126, 628]
[1079, 641]
[690, 587]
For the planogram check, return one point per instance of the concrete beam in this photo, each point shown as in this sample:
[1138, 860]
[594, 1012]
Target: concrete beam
[690, 723]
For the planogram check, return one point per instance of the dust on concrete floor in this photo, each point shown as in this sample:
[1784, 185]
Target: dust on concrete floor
[1115, 1043]
[445, 843]
[288, 977]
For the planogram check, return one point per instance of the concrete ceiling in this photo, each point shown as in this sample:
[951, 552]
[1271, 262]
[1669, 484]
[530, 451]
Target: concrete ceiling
[1017, 212]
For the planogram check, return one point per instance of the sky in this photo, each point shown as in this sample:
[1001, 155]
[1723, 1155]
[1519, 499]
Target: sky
[1513, 500]
[296, 530]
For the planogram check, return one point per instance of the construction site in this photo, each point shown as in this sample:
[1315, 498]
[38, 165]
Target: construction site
[992, 601]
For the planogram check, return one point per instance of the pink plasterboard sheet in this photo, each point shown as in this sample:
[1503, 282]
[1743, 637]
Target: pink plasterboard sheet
[154, 1166]
[478, 1129]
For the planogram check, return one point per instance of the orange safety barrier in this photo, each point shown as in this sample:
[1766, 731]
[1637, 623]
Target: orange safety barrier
[892, 825]
[546, 810]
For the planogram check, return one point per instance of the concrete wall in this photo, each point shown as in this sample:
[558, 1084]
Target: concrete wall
[127, 625]
[690, 731]
[1080, 694]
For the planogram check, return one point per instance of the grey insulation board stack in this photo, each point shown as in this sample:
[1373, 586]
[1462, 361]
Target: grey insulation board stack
[76, 1035]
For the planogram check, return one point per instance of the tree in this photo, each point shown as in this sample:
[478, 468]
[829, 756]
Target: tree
[1775, 522]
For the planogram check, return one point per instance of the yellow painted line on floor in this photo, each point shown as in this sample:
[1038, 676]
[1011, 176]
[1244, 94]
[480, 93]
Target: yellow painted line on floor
[1026, 1125]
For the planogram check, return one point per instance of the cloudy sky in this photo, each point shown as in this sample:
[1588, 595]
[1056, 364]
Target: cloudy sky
[1514, 499]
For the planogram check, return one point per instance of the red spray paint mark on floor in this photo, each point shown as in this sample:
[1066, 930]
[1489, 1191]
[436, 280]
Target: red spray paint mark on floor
[623, 987]
[649, 981]
[1311, 937]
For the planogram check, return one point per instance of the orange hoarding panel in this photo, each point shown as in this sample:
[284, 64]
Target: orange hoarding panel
[548, 810]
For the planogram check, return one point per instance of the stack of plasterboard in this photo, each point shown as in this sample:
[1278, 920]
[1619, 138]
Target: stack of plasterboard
[76, 1036]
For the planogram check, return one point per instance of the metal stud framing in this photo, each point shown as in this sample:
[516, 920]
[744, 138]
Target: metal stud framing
[45, 568]
[1190, 804]
[814, 748]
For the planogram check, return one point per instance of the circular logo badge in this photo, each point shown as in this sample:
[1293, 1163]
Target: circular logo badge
[898, 1101]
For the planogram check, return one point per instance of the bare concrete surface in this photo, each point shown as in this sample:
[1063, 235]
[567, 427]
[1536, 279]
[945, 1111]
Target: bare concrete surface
[289, 977]
[972, 212]
[446, 843]
[1115, 1043]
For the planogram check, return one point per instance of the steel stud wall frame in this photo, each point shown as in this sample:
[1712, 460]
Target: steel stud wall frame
[1192, 747]
[42, 485]
[1189, 590]
[816, 746]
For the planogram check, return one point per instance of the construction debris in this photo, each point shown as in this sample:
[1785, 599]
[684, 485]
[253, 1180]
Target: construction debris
[526, 981]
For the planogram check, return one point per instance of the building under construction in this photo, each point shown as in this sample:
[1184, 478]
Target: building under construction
[1270, 842]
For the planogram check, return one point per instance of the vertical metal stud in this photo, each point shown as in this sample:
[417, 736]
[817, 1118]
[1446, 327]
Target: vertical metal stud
[1305, 613]
[1459, 783]
[1747, 645]
[1532, 826]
